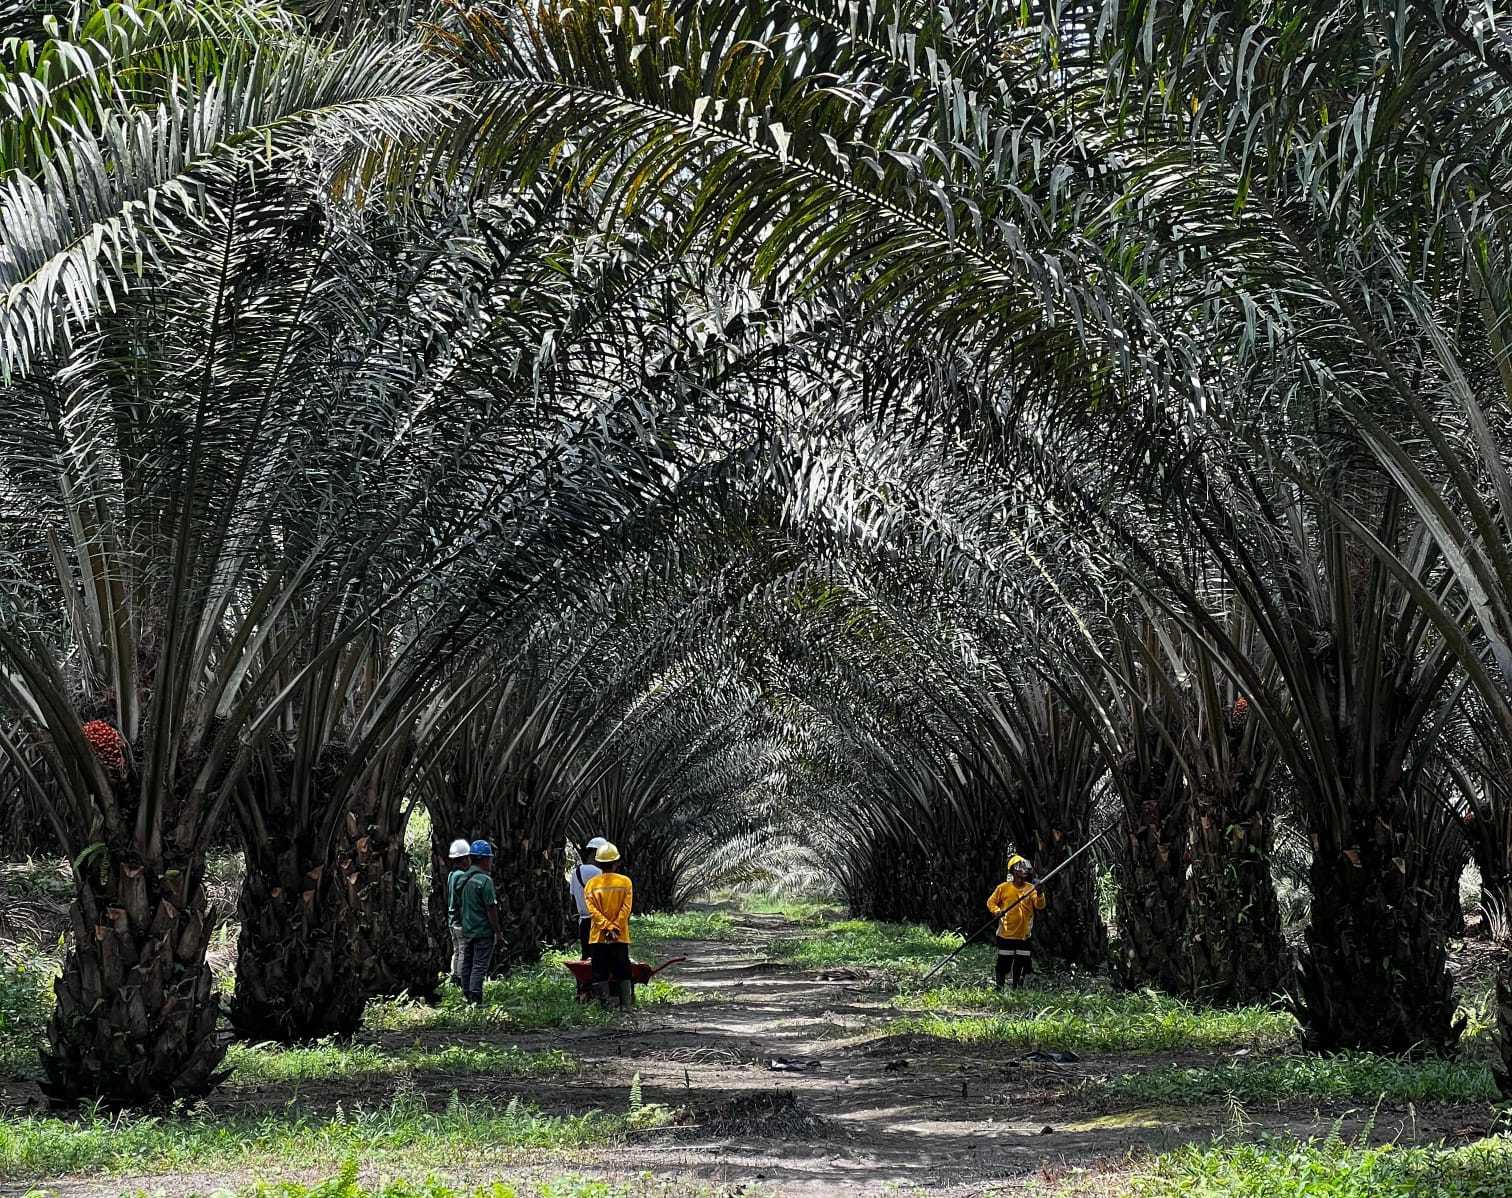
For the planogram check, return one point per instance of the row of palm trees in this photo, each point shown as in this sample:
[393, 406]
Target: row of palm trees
[974, 425]
[316, 510]
[1215, 299]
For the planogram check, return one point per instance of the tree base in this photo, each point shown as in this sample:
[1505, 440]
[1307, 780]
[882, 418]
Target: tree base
[294, 976]
[134, 1024]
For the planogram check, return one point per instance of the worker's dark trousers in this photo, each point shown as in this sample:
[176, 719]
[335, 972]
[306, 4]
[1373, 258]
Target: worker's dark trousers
[585, 923]
[611, 962]
[477, 953]
[1013, 959]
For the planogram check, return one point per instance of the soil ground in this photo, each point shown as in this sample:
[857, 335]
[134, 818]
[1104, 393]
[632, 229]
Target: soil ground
[871, 1116]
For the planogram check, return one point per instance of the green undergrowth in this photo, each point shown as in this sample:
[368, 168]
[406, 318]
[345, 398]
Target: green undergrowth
[46, 877]
[652, 931]
[794, 909]
[349, 1185]
[1273, 1168]
[1087, 1020]
[1359, 1078]
[903, 951]
[259, 1063]
[531, 998]
[404, 1134]
[26, 1001]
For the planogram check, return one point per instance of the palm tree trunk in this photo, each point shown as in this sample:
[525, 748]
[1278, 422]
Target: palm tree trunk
[395, 950]
[294, 975]
[1234, 950]
[136, 1010]
[438, 923]
[1070, 929]
[980, 868]
[1152, 894]
[533, 897]
[654, 885]
[545, 908]
[1377, 929]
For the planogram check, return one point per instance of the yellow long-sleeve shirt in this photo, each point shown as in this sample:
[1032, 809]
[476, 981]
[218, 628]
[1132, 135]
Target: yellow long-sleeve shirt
[1018, 923]
[609, 898]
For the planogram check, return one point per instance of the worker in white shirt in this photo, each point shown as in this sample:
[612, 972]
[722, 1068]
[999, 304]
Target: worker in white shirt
[577, 879]
[460, 857]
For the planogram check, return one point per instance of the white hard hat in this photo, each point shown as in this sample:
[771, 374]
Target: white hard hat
[597, 842]
[459, 848]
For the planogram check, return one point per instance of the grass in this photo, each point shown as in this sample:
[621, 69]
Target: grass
[1061, 1012]
[1359, 1078]
[404, 1134]
[259, 1063]
[796, 910]
[904, 951]
[1082, 1020]
[1328, 1169]
[650, 931]
[348, 1185]
[529, 999]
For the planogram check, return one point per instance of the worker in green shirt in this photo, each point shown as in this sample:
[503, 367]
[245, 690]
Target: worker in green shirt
[478, 904]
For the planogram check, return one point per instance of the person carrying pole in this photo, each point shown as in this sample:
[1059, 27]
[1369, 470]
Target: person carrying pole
[479, 904]
[609, 898]
[460, 857]
[581, 873]
[1015, 901]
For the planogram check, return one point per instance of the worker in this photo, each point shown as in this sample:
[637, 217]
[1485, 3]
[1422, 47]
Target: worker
[609, 898]
[460, 857]
[478, 903]
[581, 873]
[1015, 901]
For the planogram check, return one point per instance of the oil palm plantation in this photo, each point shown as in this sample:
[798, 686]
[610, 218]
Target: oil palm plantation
[1105, 409]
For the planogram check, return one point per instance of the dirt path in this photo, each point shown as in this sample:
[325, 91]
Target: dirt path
[891, 1115]
[875, 1115]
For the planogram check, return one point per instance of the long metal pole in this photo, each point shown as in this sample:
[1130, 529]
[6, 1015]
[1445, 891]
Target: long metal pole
[1032, 889]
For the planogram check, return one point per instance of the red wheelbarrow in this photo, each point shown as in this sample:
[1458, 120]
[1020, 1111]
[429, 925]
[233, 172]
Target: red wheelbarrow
[640, 974]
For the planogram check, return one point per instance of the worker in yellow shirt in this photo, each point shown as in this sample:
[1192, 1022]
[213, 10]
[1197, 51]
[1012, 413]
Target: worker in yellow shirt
[1016, 901]
[609, 897]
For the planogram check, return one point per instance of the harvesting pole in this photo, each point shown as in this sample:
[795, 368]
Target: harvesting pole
[1033, 889]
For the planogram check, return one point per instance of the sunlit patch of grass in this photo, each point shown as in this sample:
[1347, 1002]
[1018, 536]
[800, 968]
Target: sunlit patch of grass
[1328, 1169]
[657, 928]
[531, 998]
[1082, 1020]
[905, 951]
[404, 1134]
[256, 1063]
[1360, 1078]
[796, 910]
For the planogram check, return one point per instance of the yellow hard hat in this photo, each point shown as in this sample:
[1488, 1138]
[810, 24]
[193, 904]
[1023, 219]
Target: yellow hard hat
[606, 853]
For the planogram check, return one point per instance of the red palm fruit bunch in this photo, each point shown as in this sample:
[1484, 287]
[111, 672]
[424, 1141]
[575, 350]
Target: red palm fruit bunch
[108, 745]
[1240, 711]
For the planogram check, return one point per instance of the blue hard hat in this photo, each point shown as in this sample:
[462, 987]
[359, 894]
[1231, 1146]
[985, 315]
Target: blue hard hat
[481, 848]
